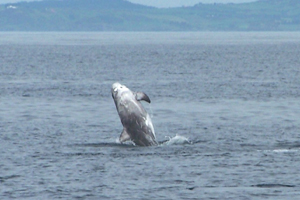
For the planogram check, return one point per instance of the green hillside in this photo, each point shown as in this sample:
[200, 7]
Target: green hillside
[119, 15]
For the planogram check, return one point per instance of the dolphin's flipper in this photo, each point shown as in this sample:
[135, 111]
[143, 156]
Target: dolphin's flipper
[142, 96]
[124, 136]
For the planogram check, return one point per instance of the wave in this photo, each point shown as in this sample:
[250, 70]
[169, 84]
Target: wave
[176, 140]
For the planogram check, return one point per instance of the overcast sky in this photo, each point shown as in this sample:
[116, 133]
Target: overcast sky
[162, 3]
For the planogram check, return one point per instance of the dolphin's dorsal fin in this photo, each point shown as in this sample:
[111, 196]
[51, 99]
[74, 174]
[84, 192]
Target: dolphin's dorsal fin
[142, 96]
[124, 136]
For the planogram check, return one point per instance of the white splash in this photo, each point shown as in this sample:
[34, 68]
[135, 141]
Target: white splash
[285, 150]
[280, 151]
[118, 141]
[128, 142]
[177, 140]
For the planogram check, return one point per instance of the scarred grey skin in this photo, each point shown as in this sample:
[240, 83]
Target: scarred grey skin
[137, 124]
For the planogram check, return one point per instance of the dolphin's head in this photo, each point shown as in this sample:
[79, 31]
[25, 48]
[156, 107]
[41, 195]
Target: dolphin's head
[117, 89]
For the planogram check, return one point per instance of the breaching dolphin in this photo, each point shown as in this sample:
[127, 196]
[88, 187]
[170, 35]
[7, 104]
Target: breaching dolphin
[137, 124]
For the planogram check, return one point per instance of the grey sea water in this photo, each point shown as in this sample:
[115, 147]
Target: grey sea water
[236, 96]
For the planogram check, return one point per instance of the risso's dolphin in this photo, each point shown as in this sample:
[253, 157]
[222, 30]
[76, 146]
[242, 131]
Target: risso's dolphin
[137, 124]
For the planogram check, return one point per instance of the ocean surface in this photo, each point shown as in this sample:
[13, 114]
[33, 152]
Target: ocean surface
[235, 96]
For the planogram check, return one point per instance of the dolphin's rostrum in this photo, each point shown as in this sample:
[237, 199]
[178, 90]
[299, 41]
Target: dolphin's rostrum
[137, 124]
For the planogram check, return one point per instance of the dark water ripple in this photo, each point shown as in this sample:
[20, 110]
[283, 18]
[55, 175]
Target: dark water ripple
[235, 98]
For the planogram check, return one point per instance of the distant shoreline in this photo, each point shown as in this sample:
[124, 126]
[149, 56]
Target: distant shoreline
[118, 15]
